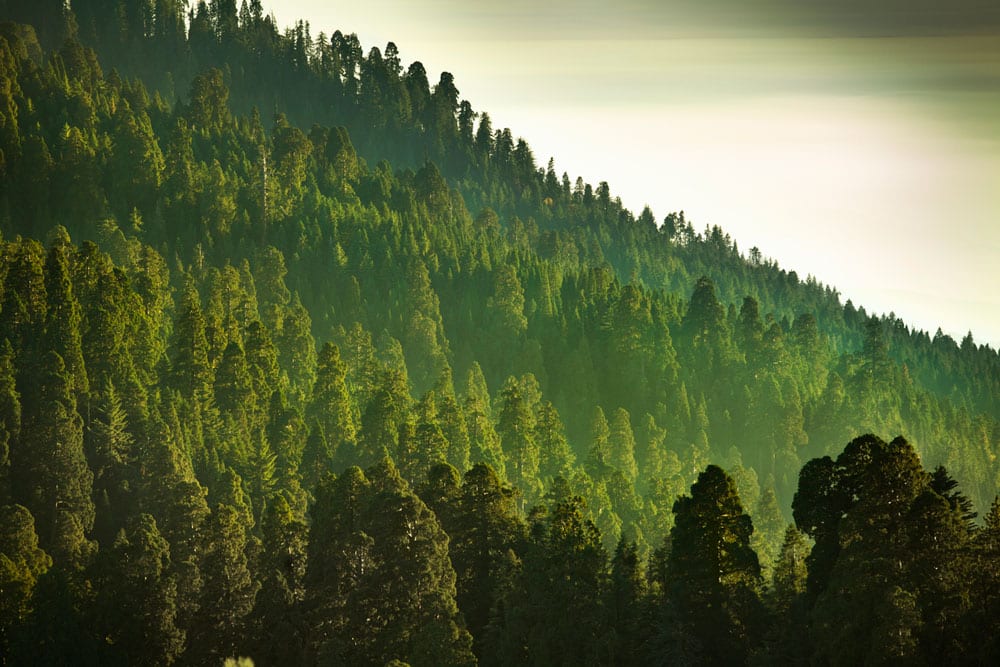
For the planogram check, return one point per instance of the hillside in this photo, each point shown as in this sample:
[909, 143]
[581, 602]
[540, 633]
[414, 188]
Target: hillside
[215, 318]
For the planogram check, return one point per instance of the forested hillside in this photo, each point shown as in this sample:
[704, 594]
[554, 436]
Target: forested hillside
[301, 360]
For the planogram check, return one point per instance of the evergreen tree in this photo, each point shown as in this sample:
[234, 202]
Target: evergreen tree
[556, 458]
[484, 442]
[599, 455]
[191, 373]
[485, 533]
[397, 587]
[621, 443]
[451, 419]
[229, 591]
[22, 561]
[626, 594]
[554, 612]
[137, 598]
[278, 626]
[111, 453]
[49, 469]
[62, 326]
[10, 418]
[713, 576]
[516, 428]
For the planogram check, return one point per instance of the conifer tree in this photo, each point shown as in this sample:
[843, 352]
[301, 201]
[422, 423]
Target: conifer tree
[23, 315]
[484, 442]
[555, 611]
[621, 443]
[49, 468]
[137, 600]
[330, 405]
[169, 491]
[277, 622]
[191, 374]
[219, 628]
[451, 419]
[111, 453]
[599, 454]
[556, 457]
[626, 594]
[62, 324]
[713, 575]
[233, 387]
[10, 418]
[395, 594]
[22, 561]
[485, 533]
[516, 428]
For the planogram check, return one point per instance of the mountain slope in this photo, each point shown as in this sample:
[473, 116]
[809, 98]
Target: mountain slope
[226, 310]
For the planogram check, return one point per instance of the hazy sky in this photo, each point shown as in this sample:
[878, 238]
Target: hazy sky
[857, 141]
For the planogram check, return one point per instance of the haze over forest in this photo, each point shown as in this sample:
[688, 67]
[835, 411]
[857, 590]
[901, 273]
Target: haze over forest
[855, 141]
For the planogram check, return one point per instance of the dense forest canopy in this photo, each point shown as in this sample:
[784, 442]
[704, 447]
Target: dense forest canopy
[302, 360]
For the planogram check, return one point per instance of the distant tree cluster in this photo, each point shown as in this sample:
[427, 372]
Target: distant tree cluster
[259, 398]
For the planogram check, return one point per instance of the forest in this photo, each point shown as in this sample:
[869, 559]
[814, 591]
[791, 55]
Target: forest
[304, 362]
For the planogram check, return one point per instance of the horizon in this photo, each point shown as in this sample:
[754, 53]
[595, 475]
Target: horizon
[806, 137]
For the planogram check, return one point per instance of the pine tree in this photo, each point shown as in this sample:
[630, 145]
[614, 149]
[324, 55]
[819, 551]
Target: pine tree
[393, 598]
[713, 575]
[621, 443]
[22, 561]
[427, 447]
[789, 580]
[112, 456]
[516, 428]
[598, 460]
[137, 597]
[169, 491]
[62, 325]
[229, 591]
[191, 373]
[485, 532]
[626, 594]
[451, 418]
[554, 612]
[484, 442]
[233, 388]
[49, 469]
[382, 419]
[555, 456]
[23, 315]
[10, 418]
[278, 625]
[330, 405]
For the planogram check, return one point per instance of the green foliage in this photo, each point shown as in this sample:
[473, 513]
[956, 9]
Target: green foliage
[22, 561]
[137, 599]
[236, 309]
[713, 576]
[393, 597]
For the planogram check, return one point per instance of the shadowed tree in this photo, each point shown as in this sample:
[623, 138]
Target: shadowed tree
[713, 576]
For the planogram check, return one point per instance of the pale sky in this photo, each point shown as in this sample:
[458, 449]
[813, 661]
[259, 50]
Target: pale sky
[856, 141]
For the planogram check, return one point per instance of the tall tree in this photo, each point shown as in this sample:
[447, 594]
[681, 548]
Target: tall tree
[49, 468]
[330, 405]
[62, 325]
[713, 576]
[395, 586]
[137, 597]
[22, 561]
[516, 428]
